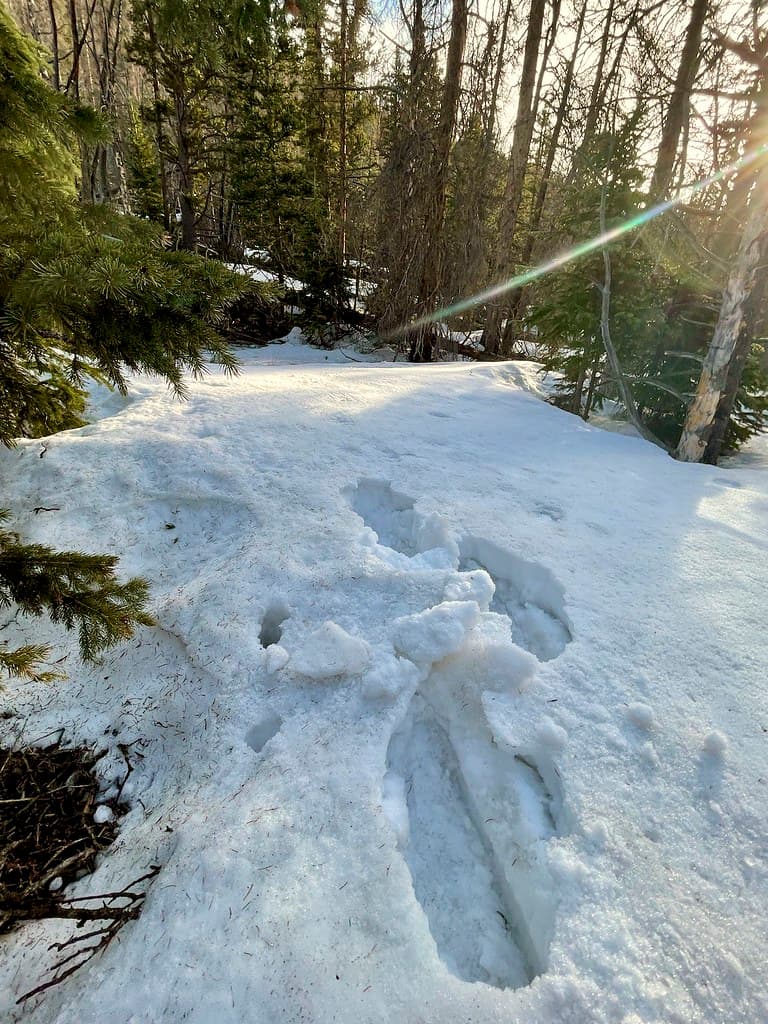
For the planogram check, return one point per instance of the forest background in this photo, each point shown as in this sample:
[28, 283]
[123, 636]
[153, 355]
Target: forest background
[417, 154]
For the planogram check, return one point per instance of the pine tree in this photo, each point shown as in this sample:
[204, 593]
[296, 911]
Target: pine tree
[567, 310]
[83, 291]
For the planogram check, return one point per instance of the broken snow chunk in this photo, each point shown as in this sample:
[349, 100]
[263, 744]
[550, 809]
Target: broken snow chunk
[56, 884]
[476, 585]
[551, 735]
[103, 814]
[276, 658]
[432, 635]
[432, 531]
[641, 715]
[509, 669]
[389, 677]
[330, 651]
[716, 744]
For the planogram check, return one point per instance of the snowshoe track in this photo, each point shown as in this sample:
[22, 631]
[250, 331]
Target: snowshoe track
[472, 816]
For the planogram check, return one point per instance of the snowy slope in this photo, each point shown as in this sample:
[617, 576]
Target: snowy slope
[455, 711]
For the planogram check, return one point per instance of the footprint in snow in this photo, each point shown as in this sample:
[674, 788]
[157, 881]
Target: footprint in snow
[472, 819]
[263, 731]
[393, 518]
[527, 593]
[473, 816]
[272, 622]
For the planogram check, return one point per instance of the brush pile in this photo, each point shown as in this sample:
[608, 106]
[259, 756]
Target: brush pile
[48, 835]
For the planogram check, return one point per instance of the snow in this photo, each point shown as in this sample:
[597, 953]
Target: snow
[432, 635]
[716, 744]
[641, 715]
[330, 651]
[263, 276]
[454, 710]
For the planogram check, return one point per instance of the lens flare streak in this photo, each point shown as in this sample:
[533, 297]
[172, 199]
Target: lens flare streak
[582, 249]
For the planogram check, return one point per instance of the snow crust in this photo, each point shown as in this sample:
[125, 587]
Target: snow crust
[455, 708]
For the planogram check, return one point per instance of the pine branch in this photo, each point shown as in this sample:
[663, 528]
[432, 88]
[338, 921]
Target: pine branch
[75, 589]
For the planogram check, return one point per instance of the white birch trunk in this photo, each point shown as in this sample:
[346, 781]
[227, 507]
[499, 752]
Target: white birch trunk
[714, 375]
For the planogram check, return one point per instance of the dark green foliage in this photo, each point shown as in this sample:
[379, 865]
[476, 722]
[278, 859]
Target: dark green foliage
[37, 127]
[143, 167]
[568, 302]
[750, 413]
[77, 590]
[663, 311]
[83, 291]
[185, 47]
[282, 153]
[98, 291]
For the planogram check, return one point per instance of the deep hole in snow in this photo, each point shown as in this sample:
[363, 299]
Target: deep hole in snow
[474, 851]
[272, 624]
[527, 593]
[262, 732]
[398, 526]
[387, 512]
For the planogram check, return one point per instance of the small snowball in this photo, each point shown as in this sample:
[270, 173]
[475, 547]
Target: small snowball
[56, 884]
[103, 814]
[716, 744]
[330, 651]
[476, 585]
[432, 635]
[641, 715]
[551, 735]
[276, 657]
[649, 755]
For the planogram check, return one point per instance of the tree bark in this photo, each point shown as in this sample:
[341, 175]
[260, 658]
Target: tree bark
[517, 300]
[713, 383]
[158, 121]
[186, 185]
[342, 208]
[55, 46]
[518, 162]
[420, 346]
[677, 113]
[751, 329]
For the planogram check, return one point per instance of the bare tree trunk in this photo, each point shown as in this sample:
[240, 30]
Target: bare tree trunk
[342, 213]
[751, 330]
[578, 392]
[713, 383]
[521, 145]
[186, 184]
[517, 300]
[490, 127]
[158, 122]
[435, 211]
[677, 112]
[74, 75]
[55, 46]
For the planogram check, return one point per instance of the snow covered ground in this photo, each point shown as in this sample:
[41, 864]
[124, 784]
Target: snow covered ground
[454, 712]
